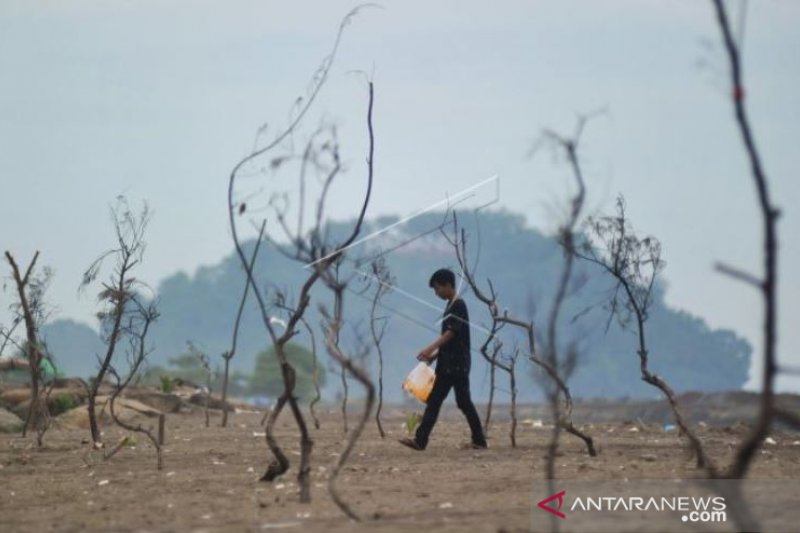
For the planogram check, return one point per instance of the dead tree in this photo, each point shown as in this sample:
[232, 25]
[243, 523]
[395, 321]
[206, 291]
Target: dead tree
[136, 322]
[459, 242]
[384, 282]
[116, 292]
[280, 463]
[280, 303]
[335, 321]
[228, 354]
[767, 283]
[30, 309]
[360, 352]
[310, 249]
[634, 263]
[566, 238]
[333, 332]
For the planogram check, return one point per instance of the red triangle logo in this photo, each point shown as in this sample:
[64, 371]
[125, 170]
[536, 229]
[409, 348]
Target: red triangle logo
[560, 497]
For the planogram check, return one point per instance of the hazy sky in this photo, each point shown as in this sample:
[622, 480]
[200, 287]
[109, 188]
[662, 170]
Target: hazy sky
[157, 99]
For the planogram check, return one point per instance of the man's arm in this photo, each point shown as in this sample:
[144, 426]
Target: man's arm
[427, 353]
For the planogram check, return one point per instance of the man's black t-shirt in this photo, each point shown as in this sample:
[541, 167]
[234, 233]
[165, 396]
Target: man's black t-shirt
[454, 355]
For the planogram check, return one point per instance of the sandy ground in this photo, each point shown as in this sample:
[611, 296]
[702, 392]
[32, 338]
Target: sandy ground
[210, 477]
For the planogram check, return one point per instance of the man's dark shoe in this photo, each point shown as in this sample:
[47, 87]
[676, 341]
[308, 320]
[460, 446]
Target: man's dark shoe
[474, 446]
[411, 443]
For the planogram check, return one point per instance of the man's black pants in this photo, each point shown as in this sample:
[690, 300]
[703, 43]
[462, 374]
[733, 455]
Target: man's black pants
[441, 387]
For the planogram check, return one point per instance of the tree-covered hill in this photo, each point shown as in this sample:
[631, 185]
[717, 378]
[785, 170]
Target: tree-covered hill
[523, 265]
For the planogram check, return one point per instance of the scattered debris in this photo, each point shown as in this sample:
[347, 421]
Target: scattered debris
[536, 423]
[279, 525]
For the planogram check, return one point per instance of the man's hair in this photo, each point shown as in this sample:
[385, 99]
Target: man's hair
[443, 276]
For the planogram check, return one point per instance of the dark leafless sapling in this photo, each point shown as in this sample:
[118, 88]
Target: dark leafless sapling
[280, 303]
[459, 242]
[359, 373]
[116, 292]
[329, 273]
[30, 309]
[228, 354]
[314, 373]
[304, 248]
[309, 249]
[137, 320]
[377, 324]
[634, 263]
[767, 284]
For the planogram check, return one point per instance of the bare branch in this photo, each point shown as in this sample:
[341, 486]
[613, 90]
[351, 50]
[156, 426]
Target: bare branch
[140, 322]
[769, 214]
[738, 274]
[118, 292]
[29, 305]
[228, 355]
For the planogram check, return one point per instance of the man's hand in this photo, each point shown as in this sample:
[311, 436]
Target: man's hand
[426, 355]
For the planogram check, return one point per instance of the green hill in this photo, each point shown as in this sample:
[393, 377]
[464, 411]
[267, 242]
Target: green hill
[523, 265]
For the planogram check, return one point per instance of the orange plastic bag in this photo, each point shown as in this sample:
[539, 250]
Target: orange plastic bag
[420, 382]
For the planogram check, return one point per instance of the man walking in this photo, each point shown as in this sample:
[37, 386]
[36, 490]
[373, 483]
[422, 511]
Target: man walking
[452, 366]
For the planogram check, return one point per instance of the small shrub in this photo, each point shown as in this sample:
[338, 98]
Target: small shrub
[63, 402]
[412, 421]
[167, 384]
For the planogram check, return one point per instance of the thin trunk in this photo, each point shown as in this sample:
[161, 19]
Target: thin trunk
[119, 309]
[768, 286]
[345, 392]
[363, 378]
[208, 398]
[314, 374]
[35, 415]
[377, 339]
[513, 381]
[279, 464]
[492, 369]
[224, 422]
[227, 356]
